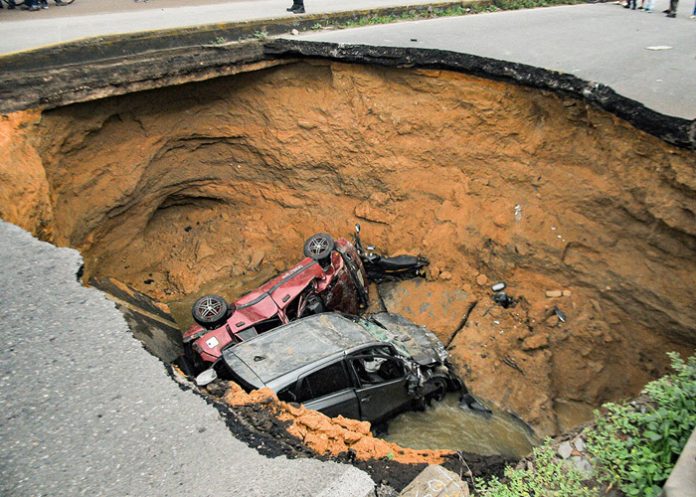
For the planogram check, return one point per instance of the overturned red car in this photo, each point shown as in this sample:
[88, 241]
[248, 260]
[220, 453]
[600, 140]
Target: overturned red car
[331, 277]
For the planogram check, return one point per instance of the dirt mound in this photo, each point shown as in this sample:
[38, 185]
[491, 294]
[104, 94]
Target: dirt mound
[332, 436]
[214, 186]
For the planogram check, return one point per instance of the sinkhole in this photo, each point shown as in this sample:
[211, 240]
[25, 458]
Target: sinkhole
[212, 187]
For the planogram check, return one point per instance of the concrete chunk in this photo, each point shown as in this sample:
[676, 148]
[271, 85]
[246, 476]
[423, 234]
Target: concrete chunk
[436, 481]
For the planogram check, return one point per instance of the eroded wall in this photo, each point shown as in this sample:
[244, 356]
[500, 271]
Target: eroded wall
[215, 185]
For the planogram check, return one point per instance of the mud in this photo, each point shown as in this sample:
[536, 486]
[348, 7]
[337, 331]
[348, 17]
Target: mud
[214, 186]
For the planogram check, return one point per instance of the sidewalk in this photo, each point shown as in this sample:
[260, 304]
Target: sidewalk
[21, 30]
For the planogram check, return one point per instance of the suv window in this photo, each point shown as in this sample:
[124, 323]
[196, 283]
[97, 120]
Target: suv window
[323, 382]
[377, 365]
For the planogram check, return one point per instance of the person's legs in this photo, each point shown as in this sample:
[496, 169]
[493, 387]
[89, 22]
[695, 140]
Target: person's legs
[297, 7]
[673, 8]
[30, 5]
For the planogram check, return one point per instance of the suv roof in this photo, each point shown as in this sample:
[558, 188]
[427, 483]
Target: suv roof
[295, 346]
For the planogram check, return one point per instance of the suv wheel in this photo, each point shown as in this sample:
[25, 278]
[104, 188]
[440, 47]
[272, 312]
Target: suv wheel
[210, 311]
[439, 390]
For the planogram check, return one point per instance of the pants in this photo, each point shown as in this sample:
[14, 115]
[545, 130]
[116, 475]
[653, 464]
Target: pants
[673, 6]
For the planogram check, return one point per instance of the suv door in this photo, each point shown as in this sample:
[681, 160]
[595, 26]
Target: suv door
[383, 388]
[329, 390]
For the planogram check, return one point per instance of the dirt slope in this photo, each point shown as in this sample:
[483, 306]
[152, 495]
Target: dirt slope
[215, 185]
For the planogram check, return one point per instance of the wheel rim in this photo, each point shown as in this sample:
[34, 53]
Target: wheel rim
[209, 308]
[318, 245]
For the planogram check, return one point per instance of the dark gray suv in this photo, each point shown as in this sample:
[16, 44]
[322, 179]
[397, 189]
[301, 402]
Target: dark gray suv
[367, 369]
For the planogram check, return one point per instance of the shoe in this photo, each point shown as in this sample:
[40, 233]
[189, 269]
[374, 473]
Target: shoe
[299, 11]
[296, 9]
[672, 15]
[693, 16]
[648, 11]
[666, 11]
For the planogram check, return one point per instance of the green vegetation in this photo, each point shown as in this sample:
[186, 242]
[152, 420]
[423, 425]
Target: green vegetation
[633, 446]
[636, 445]
[261, 35]
[550, 476]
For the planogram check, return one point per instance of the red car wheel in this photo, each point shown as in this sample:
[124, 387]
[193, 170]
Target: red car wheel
[319, 246]
[210, 311]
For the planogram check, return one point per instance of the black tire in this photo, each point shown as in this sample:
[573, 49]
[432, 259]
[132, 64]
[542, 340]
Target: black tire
[439, 390]
[210, 311]
[319, 246]
[353, 270]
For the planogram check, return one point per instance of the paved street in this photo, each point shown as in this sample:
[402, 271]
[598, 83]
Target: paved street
[21, 30]
[87, 411]
[601, 42]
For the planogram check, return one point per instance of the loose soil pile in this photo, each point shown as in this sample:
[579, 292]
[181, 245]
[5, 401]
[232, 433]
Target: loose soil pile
[215, 186]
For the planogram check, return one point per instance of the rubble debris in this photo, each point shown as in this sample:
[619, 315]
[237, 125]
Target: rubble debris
[554, 293]
[565, 450]
[504, 300]
[436, 481]
[499, 287]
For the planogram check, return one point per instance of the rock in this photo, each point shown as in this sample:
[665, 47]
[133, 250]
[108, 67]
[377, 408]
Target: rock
[481, 279]
[567, 293]
[295, 32]
[446, 276]
[535, 342]
[582, 465]
[579, 444]
[436, 481]
[553, 293]
[565, 450]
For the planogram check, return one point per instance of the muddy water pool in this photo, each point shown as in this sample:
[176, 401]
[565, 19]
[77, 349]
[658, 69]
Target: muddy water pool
[446, 425]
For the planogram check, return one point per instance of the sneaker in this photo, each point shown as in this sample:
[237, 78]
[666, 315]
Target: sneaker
[299, 10]
[672, 15]
[648, 11]
[692, 16]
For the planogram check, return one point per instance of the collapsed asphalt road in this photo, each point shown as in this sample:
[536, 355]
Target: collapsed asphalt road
[86, 410]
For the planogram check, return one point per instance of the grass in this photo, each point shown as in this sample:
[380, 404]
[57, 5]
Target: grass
[458, 10]
[633, 446]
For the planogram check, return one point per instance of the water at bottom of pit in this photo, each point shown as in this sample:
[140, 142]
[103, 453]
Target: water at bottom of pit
[446, 425]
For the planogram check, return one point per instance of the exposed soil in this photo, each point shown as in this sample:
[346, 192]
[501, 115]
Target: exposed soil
[215, 185]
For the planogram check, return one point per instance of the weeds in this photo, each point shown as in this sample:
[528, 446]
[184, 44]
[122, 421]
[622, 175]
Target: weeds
[634, 446]
[548, 476]
[261, 35]
[456, 10]
[638, 444]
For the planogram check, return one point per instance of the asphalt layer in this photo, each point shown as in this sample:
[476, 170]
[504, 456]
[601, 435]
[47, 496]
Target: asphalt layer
[645, 57]
[87, 411]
